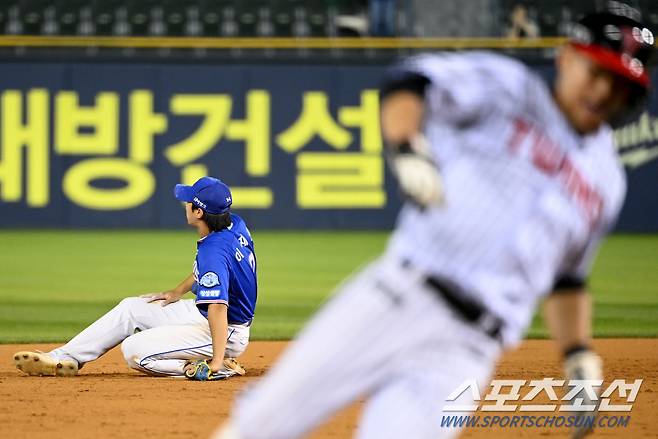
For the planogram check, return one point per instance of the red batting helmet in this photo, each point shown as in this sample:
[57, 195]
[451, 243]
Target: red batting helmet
[616, 41]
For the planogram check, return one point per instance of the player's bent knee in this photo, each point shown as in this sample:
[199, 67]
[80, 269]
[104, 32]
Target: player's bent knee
[132, 306]
[130, 303]
[131, 352]
[236, 345]
[234, 351]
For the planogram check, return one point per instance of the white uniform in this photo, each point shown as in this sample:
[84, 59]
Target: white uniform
[527, 202]
[154, 339]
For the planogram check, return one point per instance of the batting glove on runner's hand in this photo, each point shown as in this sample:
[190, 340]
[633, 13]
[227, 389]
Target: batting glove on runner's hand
[584, 365]
[417, 174]
[199, 370]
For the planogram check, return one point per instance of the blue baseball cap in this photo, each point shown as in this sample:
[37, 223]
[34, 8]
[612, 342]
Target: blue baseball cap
[208, 193]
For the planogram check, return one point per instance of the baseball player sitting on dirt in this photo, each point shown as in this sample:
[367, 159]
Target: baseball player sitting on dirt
[162, 335]
[511, 186]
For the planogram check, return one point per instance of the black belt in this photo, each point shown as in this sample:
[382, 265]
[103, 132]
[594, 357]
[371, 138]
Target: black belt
[467, 309]
[470, 311]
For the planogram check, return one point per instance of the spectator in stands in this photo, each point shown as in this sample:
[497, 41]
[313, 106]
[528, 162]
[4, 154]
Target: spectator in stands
[352, 18]
[382, 18]
[522, 25]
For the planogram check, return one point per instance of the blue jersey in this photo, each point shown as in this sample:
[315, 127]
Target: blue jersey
[225, 272]
[239, 227]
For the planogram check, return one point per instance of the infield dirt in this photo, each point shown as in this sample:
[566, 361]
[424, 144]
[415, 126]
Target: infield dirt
[108, 400]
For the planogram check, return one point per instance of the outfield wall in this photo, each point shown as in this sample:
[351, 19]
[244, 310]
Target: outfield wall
[101, 144]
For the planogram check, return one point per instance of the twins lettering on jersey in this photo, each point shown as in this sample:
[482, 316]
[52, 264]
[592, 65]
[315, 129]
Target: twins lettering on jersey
[549, 158]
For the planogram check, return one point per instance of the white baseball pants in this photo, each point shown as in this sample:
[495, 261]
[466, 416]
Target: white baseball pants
[385, 336]
[154, 339]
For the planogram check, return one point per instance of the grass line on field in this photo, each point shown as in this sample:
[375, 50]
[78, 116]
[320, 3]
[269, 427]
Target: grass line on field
[54, 283]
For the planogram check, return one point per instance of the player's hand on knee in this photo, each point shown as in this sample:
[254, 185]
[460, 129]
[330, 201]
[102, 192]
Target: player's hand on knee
[167, 297]
[584, 365]
[416, 173]
[152, 297]
[170, 297]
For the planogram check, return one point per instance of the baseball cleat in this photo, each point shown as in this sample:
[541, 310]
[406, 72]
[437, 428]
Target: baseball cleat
[41, 364]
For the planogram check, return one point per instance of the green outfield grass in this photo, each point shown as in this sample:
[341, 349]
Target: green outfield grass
[53, 283]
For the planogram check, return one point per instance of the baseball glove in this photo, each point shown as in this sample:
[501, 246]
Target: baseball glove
[416, 173]
[199, 370]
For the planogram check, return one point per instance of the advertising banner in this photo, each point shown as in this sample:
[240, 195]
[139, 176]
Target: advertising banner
[95, 145]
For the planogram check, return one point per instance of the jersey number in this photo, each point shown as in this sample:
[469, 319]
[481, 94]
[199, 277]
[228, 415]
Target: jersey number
[239, 256]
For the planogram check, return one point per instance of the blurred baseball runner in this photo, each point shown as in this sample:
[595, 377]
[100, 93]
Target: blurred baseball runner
[162, 335]
[529, 184]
